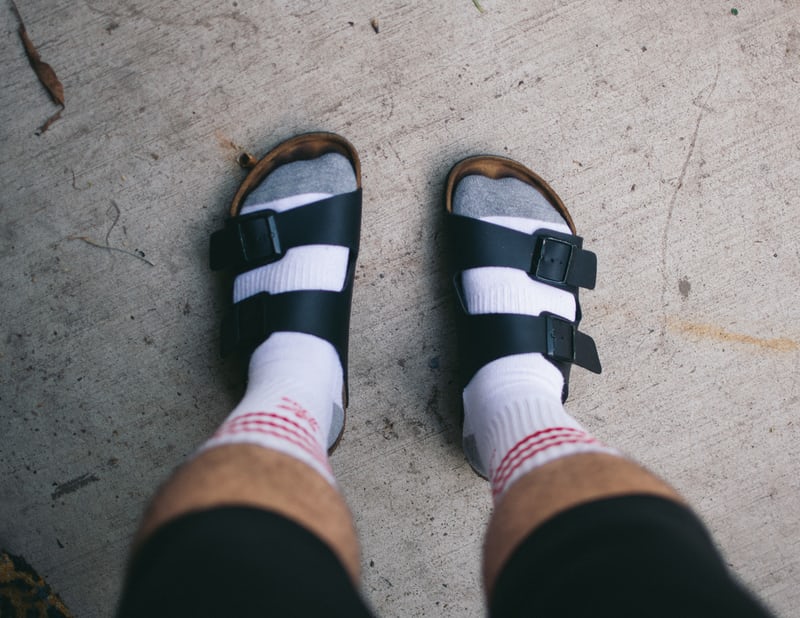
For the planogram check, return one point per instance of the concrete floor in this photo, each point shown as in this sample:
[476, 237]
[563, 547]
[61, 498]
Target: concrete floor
[670, 130]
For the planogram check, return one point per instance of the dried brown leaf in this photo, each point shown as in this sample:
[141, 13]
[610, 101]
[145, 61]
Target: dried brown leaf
[45, 73]
[49, 121]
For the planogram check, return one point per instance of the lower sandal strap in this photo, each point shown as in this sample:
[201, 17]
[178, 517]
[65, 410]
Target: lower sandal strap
[488, 337]
[314, 312]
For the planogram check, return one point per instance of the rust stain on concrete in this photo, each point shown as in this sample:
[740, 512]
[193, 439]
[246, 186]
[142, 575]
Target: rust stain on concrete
[225, 141]
[710, 331]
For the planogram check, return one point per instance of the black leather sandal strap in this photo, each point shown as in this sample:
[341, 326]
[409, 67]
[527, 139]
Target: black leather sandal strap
[548, 256]
[315, 312]
[487, 337]
[263, 237]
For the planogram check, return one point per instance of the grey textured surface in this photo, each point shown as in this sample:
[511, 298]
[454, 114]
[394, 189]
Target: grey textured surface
[669, 129]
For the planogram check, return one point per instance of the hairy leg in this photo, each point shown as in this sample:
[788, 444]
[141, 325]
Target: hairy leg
[246, 475]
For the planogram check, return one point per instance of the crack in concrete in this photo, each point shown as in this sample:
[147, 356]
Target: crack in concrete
[673, 200]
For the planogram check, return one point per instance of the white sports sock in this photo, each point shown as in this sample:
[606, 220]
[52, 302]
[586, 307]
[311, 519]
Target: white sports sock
[287, 406]
[514, 420]
[293, 402]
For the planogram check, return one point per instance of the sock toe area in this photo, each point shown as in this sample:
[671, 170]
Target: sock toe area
[480, 196]
[330, 173]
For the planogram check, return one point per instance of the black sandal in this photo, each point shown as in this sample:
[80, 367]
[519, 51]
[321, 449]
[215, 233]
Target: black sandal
[547, 256]
[253, 240]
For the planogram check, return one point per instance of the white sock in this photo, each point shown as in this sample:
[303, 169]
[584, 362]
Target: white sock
[283, 409]
[514, 420]
[293, 402]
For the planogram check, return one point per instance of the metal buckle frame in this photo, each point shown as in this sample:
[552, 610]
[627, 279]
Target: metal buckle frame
[558, 250]
[258, 237]
[560, 339]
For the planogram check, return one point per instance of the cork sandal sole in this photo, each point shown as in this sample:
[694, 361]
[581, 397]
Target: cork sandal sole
[299, 148]
[500, 167]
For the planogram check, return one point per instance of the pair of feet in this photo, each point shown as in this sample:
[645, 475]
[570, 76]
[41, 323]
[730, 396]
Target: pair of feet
[292, 241]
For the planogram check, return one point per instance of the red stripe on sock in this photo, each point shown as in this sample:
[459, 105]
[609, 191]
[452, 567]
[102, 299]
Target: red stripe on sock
[294, 406]
[256, 415]
[246, 426]
[314, 453]
[299, 411]
[499, 485]
[538, 446]
[270, 419]
[542, 435]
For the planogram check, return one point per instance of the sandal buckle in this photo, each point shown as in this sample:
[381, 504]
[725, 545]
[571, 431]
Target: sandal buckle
[258, 238]
[560, 338]
[551, 260]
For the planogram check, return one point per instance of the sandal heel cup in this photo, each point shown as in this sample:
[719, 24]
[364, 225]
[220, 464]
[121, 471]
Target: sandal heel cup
[260, 238]
[550, 257]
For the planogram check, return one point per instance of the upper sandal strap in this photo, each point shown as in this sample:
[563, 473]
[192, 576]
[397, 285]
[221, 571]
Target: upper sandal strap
[548, 256]
[494, 335]
[263, 237]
